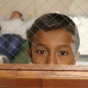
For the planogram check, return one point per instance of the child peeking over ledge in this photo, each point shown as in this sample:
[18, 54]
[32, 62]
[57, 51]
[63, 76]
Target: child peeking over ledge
[53, 39]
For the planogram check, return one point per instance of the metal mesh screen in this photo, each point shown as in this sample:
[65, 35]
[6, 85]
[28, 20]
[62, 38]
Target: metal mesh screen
[32, 9]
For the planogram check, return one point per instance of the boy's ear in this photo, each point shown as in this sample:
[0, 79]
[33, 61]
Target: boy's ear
[77, 55]
[30, 54]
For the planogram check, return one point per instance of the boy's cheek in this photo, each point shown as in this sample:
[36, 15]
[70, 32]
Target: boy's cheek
[70, 61]
[43, 61]
[38, 59]
[65, 61]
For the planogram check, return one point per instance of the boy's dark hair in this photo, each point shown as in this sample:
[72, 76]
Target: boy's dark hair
[53, 21]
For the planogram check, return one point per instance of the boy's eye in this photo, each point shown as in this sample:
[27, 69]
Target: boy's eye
[63, 53]
[41, 51]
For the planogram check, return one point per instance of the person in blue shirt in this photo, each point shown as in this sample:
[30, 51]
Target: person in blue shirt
[10, 39]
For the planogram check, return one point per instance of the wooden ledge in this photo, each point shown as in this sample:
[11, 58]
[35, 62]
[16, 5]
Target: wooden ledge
[43, 76]
[43, 67]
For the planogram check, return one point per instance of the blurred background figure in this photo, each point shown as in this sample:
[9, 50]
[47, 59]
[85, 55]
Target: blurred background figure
[10, 39]
[16, 15]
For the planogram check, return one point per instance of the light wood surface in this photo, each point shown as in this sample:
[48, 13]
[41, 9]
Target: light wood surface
[43, 76]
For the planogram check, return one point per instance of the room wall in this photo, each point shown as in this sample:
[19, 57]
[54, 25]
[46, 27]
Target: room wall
[35, 8]
[24, 6]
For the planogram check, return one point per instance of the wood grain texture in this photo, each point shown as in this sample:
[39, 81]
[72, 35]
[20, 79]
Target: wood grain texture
[43, 76]
[43, 67]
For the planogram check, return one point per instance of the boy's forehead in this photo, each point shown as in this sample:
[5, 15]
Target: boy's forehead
[53, 35]
[53, 38]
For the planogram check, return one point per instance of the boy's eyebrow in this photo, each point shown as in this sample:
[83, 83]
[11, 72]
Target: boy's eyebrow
[61, 46]
[41, 45]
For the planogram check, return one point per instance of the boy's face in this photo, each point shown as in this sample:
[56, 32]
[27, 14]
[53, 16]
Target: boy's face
[53, 47]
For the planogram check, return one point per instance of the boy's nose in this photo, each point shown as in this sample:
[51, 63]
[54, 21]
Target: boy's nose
[51, 59]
